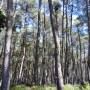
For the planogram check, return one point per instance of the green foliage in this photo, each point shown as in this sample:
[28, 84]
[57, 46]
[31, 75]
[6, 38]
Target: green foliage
[43, 88]
[2, 20]
[22, 87]
[18, 87]
[56, 6]
[77, 87]
[66, 87]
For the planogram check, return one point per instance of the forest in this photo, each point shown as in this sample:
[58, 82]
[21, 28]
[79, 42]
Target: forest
[44, 44]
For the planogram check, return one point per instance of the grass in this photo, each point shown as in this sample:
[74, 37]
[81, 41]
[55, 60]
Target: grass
[66, 87]
[76, 87]
[19, 87]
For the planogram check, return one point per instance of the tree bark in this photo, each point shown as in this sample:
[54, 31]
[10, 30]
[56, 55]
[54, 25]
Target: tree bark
[44, 51]
[37, 46]
[7, 50]
[88, 16]
[58, 72]
[81, 73]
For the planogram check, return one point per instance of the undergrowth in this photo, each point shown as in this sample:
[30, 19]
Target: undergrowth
[66, 87]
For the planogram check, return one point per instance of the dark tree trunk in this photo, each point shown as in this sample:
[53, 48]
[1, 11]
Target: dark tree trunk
[37, 46]
[81, 73]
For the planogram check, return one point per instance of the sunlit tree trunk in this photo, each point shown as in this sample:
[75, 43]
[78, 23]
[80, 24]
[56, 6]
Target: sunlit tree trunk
[7, 49]
[58, 72]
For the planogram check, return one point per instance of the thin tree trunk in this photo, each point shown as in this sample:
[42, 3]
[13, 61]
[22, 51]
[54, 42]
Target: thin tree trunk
[44, 50]
[23, 57]
[72, 55]
[37, 45]
[81, 76]
[66, 52]
[63, 40]
[88, 16]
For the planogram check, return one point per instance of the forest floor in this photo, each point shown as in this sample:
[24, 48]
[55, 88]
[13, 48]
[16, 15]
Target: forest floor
[66, 87]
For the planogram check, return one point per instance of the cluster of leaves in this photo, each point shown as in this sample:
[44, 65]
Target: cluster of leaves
[56, 6]
[2, 19]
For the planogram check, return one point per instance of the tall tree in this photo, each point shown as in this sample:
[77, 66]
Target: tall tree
[7, 49]
[88, 15]
[37, 45]
[44, 49]
[80, 49]
[58, 72]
